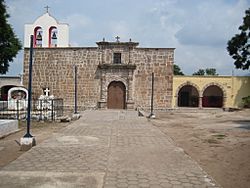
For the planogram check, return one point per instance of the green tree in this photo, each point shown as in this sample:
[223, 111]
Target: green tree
[211, 71]
[177, 70]
[200, 72]
[207, 71]
[9, 43]
[239, 46]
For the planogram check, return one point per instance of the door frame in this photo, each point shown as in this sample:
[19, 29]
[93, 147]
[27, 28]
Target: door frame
[123, 88]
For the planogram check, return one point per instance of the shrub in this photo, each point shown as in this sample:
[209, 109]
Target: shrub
[246, 101]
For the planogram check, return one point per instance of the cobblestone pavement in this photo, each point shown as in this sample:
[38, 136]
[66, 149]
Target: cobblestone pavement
[109, 149]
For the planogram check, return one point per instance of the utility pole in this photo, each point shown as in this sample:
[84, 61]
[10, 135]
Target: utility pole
[75, 89]
[28, 141]
[28, 135]
[152, 98]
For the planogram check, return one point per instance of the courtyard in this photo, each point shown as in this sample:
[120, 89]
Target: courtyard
[116, 148]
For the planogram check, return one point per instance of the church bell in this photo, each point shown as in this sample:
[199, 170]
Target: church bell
[39, 36]
[54, 35]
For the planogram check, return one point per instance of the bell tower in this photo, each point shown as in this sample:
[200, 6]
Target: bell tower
[47, 31]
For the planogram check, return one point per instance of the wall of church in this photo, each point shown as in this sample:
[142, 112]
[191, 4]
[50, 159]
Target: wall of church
[160, 62]
[54, 68]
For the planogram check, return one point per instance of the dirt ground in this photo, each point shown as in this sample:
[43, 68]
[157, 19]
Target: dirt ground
[218, 141]
[9, 148]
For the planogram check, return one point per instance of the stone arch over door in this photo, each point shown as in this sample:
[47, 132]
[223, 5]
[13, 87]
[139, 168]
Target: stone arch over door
[106, 82]
[188, 95]
[213, 95]
[116, 95]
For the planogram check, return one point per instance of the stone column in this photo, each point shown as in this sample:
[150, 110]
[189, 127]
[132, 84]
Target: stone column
[102, 101]
[200, 102]
[130, 82]
[103, 80]
[130, 102]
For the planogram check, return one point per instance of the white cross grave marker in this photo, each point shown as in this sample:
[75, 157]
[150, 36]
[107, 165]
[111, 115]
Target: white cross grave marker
[46, 91]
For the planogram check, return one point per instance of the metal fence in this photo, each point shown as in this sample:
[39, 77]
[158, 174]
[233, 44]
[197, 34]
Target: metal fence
[42, 109]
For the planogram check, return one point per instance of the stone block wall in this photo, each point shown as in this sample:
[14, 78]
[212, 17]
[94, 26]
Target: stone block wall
[54, 68]
[160, 62]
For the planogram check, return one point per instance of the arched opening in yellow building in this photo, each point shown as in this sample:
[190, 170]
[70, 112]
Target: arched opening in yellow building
[188, 96]
[212, 97]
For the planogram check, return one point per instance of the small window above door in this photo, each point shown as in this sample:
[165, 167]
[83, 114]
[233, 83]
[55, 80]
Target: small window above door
[117, 58]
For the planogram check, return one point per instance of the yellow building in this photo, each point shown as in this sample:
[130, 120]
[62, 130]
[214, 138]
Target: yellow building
[210, 91]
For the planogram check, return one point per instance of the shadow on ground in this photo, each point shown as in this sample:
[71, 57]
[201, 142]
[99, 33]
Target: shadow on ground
[244, 124]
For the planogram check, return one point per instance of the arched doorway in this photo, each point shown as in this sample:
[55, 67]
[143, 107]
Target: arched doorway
[212, 97]
[4, 92]
[116, 95]
[188, 96]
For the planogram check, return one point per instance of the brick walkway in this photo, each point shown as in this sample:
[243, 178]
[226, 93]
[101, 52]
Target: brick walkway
[109, 149]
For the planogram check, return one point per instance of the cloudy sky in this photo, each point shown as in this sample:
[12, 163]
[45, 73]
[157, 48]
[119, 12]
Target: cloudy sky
[198, 29]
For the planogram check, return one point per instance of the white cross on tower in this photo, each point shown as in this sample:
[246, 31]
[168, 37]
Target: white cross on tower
[47, 8]
[117, 38]
[46, 91]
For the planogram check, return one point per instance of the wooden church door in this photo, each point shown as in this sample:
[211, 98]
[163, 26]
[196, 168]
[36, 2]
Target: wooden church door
[116, 95]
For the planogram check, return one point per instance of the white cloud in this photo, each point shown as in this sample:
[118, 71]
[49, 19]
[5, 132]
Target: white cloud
[77, 21]
[192, 58]
[211, 24]
[120, 29]
[199, 30]
[79, 25]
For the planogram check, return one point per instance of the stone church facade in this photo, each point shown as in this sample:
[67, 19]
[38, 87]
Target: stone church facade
[112, 72]
[111, 75]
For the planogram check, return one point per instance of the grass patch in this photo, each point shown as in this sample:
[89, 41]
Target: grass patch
[219, 136]
[212, 141]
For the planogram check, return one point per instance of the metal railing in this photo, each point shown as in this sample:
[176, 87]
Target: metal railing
[42, 109]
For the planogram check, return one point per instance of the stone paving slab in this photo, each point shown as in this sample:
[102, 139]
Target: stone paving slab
[108, 149]
[88, 130]
[139, 141]
[61, 140]
[67, 159]
[152, 159]
[43, 179]
[135, 179]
